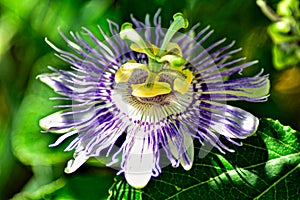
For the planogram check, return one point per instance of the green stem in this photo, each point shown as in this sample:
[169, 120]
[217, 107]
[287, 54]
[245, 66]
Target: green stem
[151, 79]
[154, 66]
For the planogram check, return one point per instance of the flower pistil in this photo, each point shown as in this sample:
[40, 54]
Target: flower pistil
[165, 60]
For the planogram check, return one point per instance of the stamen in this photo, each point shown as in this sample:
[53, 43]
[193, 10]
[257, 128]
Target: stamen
[124, 72]
[169, 53]
[183, 84]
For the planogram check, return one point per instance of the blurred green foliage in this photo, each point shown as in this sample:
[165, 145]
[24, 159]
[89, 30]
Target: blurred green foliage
[29, 166]
[284, 31]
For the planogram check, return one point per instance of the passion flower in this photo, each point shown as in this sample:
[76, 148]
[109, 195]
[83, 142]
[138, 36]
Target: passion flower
[147, 91]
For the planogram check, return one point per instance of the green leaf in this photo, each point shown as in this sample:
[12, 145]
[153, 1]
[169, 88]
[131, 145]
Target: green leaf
[282, 31]
[267, 166]
[29, 145]
[288, 8]
[285, 55]
[83, 186]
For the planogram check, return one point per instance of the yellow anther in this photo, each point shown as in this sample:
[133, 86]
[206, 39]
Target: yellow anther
[183, 84]
[156, 88]
[136, 48]
[123, 75]
[124, 72]
[135, 65]
[174, 49]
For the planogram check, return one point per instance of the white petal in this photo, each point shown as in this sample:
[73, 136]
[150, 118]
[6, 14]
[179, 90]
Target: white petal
[55, 120]
[189, 146]
[73, 165]
[245, 123]
[188, 151]
[50, 80]
[139, 164]
[62, 138]
[250, 123]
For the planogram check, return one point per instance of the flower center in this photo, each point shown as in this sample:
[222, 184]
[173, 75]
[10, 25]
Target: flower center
[166, 60]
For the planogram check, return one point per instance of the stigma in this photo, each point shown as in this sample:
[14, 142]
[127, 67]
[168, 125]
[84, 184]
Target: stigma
[164, 61]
